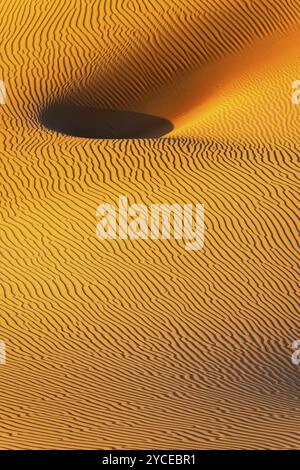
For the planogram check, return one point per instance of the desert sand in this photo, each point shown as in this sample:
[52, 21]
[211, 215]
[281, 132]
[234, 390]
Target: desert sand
[140, 343]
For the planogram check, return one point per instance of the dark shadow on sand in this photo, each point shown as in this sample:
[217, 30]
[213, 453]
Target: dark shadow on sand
[96, 123]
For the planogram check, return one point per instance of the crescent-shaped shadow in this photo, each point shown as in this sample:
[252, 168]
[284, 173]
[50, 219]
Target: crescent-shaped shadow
[94, 123]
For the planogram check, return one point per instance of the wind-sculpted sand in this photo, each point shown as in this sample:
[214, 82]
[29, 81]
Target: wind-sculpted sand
[141, 343]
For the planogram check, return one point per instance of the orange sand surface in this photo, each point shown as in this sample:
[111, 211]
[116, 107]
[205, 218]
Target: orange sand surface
[140, 343]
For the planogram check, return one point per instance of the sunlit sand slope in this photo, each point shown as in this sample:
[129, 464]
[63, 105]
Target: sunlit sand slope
[143, 344]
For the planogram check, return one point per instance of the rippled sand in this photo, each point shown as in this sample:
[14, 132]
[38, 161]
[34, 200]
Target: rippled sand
[142, 344]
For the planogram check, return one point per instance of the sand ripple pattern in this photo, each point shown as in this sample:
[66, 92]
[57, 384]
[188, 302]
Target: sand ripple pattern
[142, 344]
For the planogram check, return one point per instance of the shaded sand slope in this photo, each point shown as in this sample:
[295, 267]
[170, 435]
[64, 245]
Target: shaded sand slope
[142, 344]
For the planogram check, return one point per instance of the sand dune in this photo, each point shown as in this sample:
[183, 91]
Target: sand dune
[142, 344]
